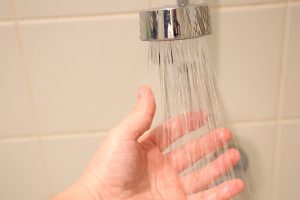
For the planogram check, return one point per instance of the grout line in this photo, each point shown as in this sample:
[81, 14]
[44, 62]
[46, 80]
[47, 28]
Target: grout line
[57, 134]
[149, 4]
[245, 123]
[47, 135]
[291, 121]
[30, 94]
[247, 6]
[252, 121]
[23, 136]
[24, 65]
[74, 135]
[110, 15]
[280, 100]
[18, 138]
[294, 2]
[76, 132]
[51, 136]
[6, 22]
[77, 17]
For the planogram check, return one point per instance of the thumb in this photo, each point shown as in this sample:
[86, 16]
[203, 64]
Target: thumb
[140, 118]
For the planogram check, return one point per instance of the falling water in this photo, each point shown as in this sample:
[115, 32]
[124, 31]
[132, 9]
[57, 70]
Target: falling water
[184, 83]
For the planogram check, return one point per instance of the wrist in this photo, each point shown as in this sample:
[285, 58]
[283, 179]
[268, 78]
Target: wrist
[79, 191]
[91, 186]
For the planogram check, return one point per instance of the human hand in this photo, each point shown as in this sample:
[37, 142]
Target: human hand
[130, 164]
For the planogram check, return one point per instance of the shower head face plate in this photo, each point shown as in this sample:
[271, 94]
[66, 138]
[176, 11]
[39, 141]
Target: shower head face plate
[175, 22]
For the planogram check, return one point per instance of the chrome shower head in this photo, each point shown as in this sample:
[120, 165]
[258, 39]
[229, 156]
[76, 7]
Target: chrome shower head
[183, 21]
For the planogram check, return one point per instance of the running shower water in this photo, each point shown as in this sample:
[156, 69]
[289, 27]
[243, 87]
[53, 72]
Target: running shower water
[184, 82]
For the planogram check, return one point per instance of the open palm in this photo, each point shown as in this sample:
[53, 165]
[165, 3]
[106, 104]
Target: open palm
[130, 163]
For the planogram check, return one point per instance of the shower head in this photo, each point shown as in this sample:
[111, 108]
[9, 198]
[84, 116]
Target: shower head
[182, 21]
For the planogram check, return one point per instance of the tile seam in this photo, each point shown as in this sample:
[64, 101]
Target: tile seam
[70, 18]
[76, 132]
[30, 95]
[292, 121]
[294, 2]
[103, 131]
[87, 132]
[280, 100]
[248, 6]
[6, 22]
[78, 17]
[149, 3]
[254, 123]
[79, 134]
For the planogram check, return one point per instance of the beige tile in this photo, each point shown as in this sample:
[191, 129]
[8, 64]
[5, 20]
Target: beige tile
[5, 9]
[21, 171]
[288, 160]
[248, 56]
[73, 154]
[291, 91]
[53, 8]
[257, 141]
[15, 107]
[84, 74]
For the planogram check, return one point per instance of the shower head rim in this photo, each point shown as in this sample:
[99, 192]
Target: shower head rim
[171, 7]
[175, 22]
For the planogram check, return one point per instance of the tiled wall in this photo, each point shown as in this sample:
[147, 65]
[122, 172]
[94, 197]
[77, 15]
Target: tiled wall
[69, 71]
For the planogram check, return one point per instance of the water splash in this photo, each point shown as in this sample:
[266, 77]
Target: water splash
[184, 83]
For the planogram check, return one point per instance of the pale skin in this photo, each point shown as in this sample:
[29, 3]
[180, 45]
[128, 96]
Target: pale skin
[130, 164]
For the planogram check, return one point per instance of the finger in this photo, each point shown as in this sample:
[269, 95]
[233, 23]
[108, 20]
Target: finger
[224, 191]
[140, 119]
[202, 178]
[165, 134]
[198, 149]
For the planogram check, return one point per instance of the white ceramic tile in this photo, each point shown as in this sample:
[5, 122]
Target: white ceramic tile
[46, 8]
[21, 171]
[257, 141]
[291, 92]
[248, 57]
[15, 108]
[67, 157]
[84, 74]
[5, 9]
[288, 161]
